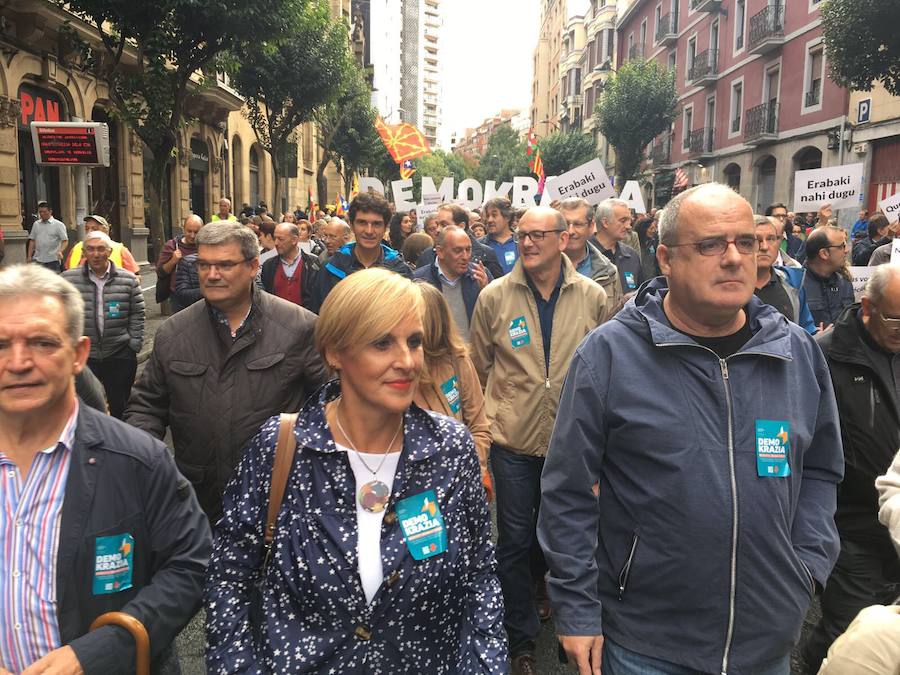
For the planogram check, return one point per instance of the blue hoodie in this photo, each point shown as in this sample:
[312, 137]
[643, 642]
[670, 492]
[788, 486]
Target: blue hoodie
[688, 555]
[344, 263]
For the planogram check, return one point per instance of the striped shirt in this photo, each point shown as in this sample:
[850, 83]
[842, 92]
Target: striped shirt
[30, 513]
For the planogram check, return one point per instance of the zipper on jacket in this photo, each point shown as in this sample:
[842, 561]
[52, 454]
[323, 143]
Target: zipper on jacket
[626, 568]
[723, 364]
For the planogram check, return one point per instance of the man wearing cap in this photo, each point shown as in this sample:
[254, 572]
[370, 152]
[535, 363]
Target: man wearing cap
[114, 307]
[120, 255]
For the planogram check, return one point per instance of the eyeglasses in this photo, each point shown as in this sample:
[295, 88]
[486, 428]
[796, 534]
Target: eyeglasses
[223, 266]
[536, 236]
[891, 324]
[842, 246]
[745, 245]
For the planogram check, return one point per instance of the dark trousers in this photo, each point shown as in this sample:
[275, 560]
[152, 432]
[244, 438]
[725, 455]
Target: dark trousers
[865, 574]
[517, 484]
[117, 376]
[54, 266]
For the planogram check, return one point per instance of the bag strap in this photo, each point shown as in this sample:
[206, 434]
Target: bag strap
[281, 468]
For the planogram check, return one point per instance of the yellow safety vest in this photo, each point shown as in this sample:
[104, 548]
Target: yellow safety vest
[75, 257]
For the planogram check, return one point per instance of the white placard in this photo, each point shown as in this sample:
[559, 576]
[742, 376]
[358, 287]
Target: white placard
[860, 279]
[835, 185]
[430, 204]
[890, 207]
[632, 195]
[895, 251]
[589, 181]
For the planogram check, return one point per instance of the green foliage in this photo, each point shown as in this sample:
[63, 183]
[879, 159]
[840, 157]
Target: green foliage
[150, 52]
[460, 167]
[504, 157]
[639, 102]
[285, 79]
[562, 151]
[346, 129]
[434, 166]
[861, 43]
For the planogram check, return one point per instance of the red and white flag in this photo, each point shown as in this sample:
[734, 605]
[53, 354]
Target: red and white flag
[681, 180]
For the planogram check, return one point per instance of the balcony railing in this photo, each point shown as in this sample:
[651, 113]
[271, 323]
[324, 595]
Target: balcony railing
[705, 68]
[667, 30]
[761, 123]
[766, 29]
[701, 142]
[813, 96]
[635, 52]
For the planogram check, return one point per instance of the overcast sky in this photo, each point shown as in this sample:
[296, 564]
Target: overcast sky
[487, 48]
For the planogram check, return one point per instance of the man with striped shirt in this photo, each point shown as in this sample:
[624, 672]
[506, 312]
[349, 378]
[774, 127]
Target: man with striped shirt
[94, 516]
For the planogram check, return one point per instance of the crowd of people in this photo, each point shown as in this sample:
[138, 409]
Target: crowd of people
[686, 423]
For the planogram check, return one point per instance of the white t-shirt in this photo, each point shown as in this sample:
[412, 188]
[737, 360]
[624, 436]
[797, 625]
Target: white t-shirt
[368, 525]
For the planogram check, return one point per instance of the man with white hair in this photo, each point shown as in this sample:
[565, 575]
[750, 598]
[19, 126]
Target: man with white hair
[863, 354]
[613, 218]
[335, 233]
[94, 516]
[709, 424]
[114, 304]
[120, 255]
[224, 211]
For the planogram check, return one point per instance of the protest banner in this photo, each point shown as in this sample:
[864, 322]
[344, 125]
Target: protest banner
[860, 277]
[632, 195]
[836, 185]
[430, 204]
[588, 181]
[890, 207]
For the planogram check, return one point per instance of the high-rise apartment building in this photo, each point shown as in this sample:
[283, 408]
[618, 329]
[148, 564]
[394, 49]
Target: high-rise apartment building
[403, 50]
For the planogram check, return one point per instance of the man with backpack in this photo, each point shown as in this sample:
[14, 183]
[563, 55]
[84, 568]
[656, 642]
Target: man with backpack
[173, 251]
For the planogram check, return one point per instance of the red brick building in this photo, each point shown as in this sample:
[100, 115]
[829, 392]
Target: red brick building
[755, 101]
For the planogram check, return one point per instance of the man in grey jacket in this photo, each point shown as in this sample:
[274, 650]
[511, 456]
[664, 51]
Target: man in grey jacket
[224, 365]
[688, 495]
[114, 307]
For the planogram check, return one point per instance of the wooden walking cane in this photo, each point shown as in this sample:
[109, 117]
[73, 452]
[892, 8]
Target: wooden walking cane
[138, 632]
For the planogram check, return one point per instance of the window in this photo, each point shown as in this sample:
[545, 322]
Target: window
[714, 35]
[691, 57]
[737, 105]
[643, 33]
[815, 65]
[688, 127]
[672, 60]
[610, 33]
[740, 17]
[656, 17]
[771, 85]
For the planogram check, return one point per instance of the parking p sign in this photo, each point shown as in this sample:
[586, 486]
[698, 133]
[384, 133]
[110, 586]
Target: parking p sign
[863, 109]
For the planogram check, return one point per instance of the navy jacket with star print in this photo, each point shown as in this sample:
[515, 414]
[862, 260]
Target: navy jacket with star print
[439, 615]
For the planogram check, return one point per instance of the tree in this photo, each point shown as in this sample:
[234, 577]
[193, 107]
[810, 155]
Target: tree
[562, 151]
[284, 84]
[638, 103]
[433, 165]
[504, 158]
[346, 130]
[150, 58]
[861, 43]
[459, 166]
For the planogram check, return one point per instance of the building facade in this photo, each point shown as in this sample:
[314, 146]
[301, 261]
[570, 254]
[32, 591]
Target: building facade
[217, 154]
[755, 102]
[475, 140]
[874, 139]
[408, 88]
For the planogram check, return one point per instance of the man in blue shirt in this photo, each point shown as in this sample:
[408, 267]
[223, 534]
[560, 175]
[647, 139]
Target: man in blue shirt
[500, 217]
[860, 227]
[828, 291]
[613, 224]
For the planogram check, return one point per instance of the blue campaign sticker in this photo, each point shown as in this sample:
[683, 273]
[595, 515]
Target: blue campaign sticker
[629, 281]
[422, 525]
[113, 563]
[773, 448]
[113, 309]
[510, 257]
[451, 393]
[518, 332]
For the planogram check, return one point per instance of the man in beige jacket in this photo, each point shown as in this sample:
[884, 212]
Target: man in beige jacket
[524, 330]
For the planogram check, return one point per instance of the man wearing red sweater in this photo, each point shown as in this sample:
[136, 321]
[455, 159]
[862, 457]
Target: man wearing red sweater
[291, 273]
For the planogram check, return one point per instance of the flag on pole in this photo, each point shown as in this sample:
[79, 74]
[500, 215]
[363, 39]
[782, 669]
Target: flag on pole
[407, 169]
[340, 205]
[313, 207]
[354, 188]
[531, 143]
[403, 141]
[537, 168]
[681, 180]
